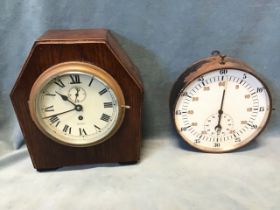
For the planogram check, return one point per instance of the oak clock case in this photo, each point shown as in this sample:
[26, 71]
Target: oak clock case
[78, 100]
[219, 104]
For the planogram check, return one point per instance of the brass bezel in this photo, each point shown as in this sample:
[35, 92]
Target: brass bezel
[214, 65]
[73, 67]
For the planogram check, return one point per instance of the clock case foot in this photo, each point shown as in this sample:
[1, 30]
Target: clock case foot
[46, 169]
[128, 163]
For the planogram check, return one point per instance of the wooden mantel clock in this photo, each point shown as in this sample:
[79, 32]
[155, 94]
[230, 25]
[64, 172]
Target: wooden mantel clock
[78, 100]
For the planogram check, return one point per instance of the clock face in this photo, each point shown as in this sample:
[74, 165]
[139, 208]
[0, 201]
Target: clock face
[77, 104]
[222, 110]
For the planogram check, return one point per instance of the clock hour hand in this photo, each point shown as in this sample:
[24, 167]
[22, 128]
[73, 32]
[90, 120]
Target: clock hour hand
[59, 113]
[65, 98]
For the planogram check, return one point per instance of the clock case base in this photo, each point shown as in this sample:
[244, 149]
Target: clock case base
[97, 47]
[120, 163]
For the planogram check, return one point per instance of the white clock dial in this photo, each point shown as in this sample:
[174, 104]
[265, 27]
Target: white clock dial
[77, 104]
[222, 110]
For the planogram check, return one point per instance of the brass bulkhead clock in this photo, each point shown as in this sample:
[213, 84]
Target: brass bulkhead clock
[219, 104]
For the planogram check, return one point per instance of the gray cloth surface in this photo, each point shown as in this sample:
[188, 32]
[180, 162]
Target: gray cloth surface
[168, 177]
[162, 38]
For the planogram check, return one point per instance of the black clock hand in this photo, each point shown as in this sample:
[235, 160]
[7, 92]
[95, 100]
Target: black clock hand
[220, 112]
[77, 94]
[65, 98]
[59, 113]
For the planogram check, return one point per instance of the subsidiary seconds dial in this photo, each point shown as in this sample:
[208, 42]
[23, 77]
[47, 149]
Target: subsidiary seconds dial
[77, 104]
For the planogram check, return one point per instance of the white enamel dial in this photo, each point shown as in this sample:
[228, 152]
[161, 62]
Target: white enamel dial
[77, 108]
[222, 110]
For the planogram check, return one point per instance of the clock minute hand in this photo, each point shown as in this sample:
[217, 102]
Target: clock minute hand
[59, 113]
[65, 98]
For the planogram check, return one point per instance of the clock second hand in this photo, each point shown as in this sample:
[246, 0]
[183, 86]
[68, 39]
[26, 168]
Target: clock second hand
[220, 112]
[59, 113]
[77, 94]
[218, 127]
